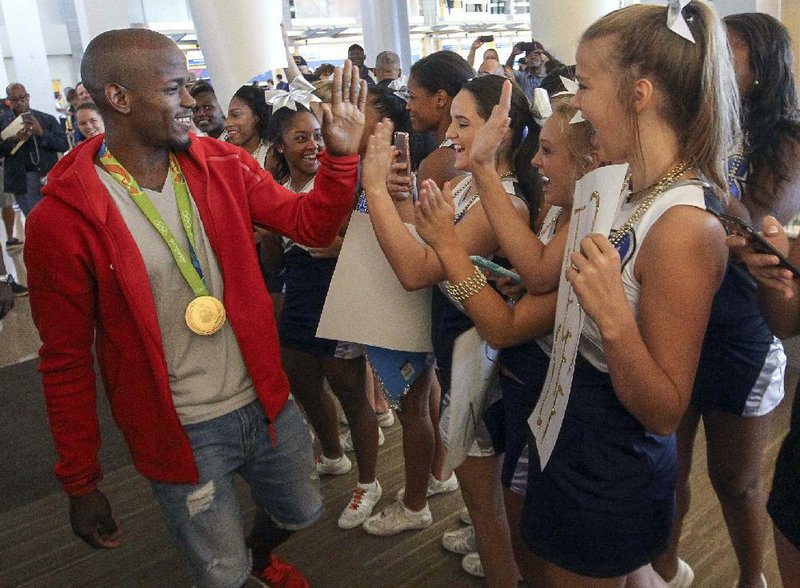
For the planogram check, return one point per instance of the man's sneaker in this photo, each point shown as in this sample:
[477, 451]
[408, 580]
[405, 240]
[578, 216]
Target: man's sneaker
[346, 439]
[683, 577]
[333, 467]
[280, 574]
[396, 518]
[360, 507]
[18, 289]
[435, 486]
[471, 563]
[461, 541]
[385, 419]
[13, 243]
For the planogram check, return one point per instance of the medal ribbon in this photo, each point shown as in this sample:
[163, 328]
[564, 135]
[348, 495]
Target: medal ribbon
[188, 265]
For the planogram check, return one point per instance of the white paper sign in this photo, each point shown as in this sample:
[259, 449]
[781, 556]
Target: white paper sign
[596, 203]
[366, 302]
[14, 127]
[474, 372]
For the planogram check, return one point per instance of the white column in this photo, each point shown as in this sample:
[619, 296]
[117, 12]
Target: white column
[430, 12]
[28, 51]
[98, 16]
[559, 28]
[3, 74]
[238, 43]
[385, 26]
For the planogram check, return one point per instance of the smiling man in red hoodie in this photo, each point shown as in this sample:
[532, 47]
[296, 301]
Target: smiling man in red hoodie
[143, 248]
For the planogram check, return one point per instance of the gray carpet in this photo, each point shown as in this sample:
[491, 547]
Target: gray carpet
[28, 456]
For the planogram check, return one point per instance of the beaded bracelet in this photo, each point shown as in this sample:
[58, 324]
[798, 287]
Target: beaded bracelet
[468, 288]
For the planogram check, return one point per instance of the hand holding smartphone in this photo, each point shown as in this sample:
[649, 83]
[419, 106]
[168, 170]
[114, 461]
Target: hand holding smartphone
[495, 269]
[735, 225]
[401, 143]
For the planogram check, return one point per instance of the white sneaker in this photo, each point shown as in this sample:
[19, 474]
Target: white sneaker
[385, 419]
[333, 467]
[396, 518]
[435, 486]
[683, 577]
[360, 507]
[346, 439]
[471, 563]
[464, 516]
[461, 541]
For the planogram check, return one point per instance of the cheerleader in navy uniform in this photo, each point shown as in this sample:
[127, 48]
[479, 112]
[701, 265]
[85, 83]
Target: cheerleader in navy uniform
[307, 359]
[740, 379]
[779, 294]
[658, 88]
[418, 267]
[565, 154]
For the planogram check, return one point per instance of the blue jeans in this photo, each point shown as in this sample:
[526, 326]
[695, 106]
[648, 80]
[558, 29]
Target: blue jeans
[33, 194]
[204, 518]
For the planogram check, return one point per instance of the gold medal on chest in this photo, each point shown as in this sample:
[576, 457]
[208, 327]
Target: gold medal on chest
[205, 315]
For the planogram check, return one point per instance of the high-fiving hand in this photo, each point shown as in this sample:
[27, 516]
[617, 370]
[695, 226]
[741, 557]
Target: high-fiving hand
[435, 215]
[493, 132]
[379, 157]
[343, 119]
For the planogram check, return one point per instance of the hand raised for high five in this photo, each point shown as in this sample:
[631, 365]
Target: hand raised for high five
[492, 134]
[379, 158]
[435, 215]
[343, 119]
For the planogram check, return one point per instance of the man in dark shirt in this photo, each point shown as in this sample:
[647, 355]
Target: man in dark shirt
[42, 140]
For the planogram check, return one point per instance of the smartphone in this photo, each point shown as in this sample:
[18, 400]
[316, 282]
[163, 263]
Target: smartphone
[734, 224]
[401, 144]
[486, 38]
[495, 269]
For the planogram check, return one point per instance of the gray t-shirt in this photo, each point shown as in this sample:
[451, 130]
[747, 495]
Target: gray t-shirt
[207, 374]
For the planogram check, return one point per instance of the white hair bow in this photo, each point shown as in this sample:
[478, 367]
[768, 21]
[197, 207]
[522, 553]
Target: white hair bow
[675, 21]
[300, 92]
[399, 89]
[570, 89]
[540, 106]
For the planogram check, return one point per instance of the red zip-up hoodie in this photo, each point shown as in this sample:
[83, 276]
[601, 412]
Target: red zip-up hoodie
[88, 286]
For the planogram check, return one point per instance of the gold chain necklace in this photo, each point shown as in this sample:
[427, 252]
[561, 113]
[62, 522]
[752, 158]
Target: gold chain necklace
[257, 153]
[659, 188]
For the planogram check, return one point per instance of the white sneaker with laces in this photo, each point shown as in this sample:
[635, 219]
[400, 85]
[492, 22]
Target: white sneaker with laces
[435, 486]
[360, 507]
[396, 518]
[683, 577]
[346, 440]
[461, 541]
[471, 563]
[333, 467]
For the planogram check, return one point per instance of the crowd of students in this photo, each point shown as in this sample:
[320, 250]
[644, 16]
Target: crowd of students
[704, 113]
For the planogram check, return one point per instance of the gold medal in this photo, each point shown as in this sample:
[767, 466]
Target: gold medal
[205, 315]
